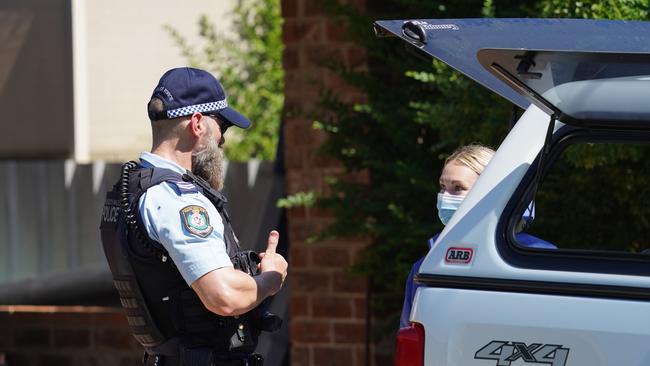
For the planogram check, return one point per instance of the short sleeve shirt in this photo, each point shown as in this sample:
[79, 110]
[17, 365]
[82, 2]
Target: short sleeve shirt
[185, 222]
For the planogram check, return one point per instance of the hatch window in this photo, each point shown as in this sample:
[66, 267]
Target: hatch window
[582, 88]
[595, 198]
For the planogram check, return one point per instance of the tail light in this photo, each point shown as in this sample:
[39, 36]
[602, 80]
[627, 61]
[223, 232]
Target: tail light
[410, 346]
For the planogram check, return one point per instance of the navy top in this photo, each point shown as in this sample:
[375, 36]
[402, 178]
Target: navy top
[411, 287]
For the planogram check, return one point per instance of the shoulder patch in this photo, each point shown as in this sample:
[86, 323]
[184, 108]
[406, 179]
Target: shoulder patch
[185, 187]
[196, 220]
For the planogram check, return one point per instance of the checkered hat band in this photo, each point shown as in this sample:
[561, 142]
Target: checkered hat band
[191, 109]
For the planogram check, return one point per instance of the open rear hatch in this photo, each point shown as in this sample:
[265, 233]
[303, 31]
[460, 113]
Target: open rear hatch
[593, 73]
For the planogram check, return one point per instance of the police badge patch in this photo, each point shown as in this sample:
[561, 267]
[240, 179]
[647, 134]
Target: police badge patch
[196, 220]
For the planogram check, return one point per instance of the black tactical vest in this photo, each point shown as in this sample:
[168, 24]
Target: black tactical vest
[164, 313]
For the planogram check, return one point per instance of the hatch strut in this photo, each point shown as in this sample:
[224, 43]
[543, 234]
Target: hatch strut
[540, 165]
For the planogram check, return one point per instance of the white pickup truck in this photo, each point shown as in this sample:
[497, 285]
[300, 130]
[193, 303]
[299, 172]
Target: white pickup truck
[484, 299]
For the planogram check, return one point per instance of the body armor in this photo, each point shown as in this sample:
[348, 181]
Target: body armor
[165, 315]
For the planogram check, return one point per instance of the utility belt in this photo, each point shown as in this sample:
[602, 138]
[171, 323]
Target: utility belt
[200, 357]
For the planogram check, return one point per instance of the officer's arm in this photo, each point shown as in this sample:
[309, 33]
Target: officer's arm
[227, 291]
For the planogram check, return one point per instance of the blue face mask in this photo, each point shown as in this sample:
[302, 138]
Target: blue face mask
[447, 205]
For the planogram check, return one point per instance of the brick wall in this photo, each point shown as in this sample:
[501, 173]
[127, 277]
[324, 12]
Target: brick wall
[327, 306]
[66, 336]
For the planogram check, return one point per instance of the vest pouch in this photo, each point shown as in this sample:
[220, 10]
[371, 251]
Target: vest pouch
[196, 319]
[175, 313]
[244, 337]
[196, 357]
[270, 322]
[246, 261]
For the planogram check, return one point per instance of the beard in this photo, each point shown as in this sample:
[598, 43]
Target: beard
[208, 164]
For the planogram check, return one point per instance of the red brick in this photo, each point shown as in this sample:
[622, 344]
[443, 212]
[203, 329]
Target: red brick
[295, 31]
[293, 161]
[55, 360]
[290, 59]
[94, 359]
[302, 230]
[51, 319]
[313, 7]
[300, 356]
[114, 338]
[331, 257]
[116, 320]
[356, 57]
[358, 4]
[335, 82]
[6, 319]
[71, 319]
[71, 338]
[289, 8]
[349, 333]
[320, 212]
[25, 319]
[5, 339]
[362, 177]
[356, 250]
[349, 283]
[303, 135]
[299, 256]
[356, 98]
[360, 308]
[292, 111]
[323, 161]
[382, 356]
[297, 212]
[32, 338]
[335, 31]
[306, 86]
[332, 307]
[296, 184]
[361, 356]
[333, 356]
[299, 306]
[310, 332]
[135, 360]
[20, 358]
[319, 56]
[310, 282]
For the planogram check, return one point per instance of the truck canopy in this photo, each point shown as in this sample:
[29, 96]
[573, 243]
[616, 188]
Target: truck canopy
[587, 72]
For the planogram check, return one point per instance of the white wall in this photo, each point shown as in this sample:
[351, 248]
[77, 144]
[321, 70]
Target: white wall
[120, 51]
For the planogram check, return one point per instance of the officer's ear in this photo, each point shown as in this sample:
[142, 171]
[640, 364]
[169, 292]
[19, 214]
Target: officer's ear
[198, 125]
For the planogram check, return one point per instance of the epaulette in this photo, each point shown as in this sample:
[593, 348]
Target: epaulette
[184, 187]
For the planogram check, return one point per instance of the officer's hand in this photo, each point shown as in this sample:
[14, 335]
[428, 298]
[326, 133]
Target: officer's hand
[272, 261]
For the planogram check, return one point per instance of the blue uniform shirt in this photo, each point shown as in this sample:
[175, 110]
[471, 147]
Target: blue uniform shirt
[185, 222]
[410, 288]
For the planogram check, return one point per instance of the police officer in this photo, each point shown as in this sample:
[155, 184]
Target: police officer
[191, 296]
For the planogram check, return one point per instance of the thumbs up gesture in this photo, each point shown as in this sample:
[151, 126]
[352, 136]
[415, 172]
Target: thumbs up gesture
[272, 261]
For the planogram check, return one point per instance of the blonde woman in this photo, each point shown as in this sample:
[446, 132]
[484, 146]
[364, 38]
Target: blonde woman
[462, 168]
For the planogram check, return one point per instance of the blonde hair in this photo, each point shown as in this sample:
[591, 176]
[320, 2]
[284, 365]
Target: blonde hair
[474, 156]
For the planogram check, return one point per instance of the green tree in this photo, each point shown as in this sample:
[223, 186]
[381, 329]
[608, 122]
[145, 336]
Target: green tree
[249, 65]
[596, 9]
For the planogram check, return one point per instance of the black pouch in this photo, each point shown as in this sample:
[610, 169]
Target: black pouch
[246, 261]
[196, 357]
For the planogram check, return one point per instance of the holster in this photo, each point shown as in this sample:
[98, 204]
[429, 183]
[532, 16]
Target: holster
[248, 261]
[201, 357]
